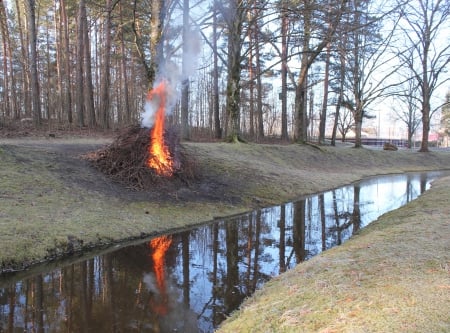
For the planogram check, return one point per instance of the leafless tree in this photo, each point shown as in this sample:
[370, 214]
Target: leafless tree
[406, 108]
[425, 24]
[366, 76]
[345, 122]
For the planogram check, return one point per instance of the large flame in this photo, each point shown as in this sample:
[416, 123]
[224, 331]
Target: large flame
[160, 159]
[160, 245]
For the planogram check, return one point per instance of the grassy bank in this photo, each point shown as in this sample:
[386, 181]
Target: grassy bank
[394, 276]
[53, 203]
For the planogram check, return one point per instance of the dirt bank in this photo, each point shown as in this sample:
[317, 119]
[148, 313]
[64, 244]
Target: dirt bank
[54, 203]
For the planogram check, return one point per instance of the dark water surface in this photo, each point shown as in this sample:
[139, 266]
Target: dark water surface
[190, 281]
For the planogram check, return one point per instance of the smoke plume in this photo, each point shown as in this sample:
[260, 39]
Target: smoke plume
[172, 75]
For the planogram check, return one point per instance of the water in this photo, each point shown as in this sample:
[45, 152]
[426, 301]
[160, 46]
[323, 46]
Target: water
[190, 281]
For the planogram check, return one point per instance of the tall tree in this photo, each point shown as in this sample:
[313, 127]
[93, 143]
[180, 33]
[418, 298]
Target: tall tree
[216, 110]
[309, 12]
[105, 82]
[25, 107]
[424, 23]
[258, 65]
[323, 112]
[339, 89]
[158, 12]
[123, 64]
[284, 68]
[366, 59]
[153, 44]
[80, 107]
[407, 108]
[67, 89]
[185, 132]
[234, 18]
[30, 10]
[88, 89]
[9, 92]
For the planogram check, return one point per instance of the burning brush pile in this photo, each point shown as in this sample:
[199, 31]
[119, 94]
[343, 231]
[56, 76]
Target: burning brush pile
[140, 157]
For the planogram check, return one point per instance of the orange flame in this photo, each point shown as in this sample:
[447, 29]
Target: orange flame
[160, 159]
[160, 245]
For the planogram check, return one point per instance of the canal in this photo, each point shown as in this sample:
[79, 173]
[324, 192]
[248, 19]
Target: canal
[191, 280]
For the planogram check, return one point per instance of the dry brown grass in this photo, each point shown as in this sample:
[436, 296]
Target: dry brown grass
[52, 202]
[392, 277]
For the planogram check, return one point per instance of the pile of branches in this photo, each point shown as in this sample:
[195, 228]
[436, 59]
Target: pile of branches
[125, 159]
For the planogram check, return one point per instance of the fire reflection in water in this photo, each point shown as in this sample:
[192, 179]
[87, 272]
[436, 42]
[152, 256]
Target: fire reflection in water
[190, 281]
[159, 247]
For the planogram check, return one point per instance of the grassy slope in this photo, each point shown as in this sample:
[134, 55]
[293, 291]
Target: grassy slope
[43, 214]
[392, 277]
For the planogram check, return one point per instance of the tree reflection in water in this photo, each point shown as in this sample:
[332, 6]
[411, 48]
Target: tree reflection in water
[190, 281]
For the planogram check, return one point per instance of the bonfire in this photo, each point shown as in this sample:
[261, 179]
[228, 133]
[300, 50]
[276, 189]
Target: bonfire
[140, 157]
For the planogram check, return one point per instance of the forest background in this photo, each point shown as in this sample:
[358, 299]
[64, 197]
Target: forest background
[298, 70]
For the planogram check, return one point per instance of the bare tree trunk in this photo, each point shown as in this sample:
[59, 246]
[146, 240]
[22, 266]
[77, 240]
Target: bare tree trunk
[106, 68]
[7, 58]
[27, 107]
[67, 94]
[301, 89]
[284, 47]
[307, 59]
[251, 79]
[309, 55]
[88, 88]
[357, 108]
[426, 93]
[49, 109]
[216, 110]
[323, 113]
[124, 71]
[156, 47]
[30, 7]
[59, 62]
[336, 117]
[300, 104]
[259, 89]
[79, 67]
[185, 131]
[425, 125]
[158, 12]
[358, 115]
[235, 22]
[340, 91]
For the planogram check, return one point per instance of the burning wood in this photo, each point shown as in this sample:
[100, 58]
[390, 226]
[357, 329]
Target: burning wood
[140, 157]
[126, 160]
[160, 159]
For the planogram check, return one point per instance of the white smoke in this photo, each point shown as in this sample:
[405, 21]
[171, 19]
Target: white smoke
[172, 75]
[148, 116]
